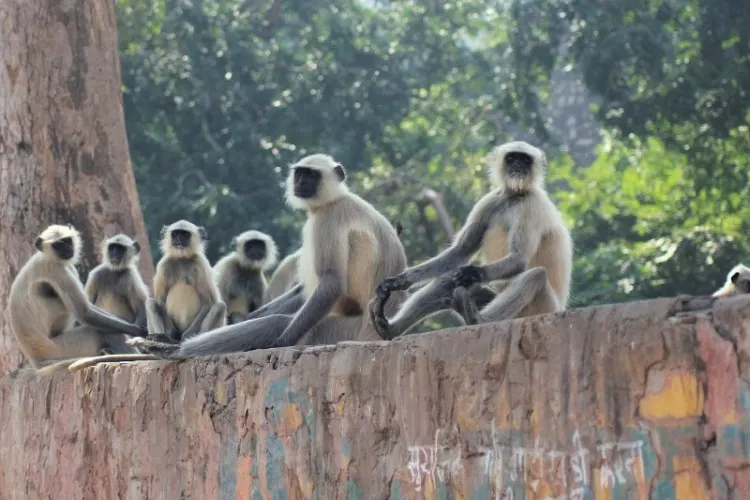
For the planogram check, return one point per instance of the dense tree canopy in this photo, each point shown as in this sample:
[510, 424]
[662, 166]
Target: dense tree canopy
[221, 95]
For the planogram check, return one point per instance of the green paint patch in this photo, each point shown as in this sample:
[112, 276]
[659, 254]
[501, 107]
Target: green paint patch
[353, 491]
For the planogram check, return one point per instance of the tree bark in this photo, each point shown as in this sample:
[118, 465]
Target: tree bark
[63, 150]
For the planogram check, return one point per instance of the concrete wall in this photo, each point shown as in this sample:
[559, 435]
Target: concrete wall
[626, 401]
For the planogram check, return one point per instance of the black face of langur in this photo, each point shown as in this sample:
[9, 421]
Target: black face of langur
[63, 248]
[255, 249]
[306, 182]
[741, 283]
[518, 164]
[117, 253]
[180, 238]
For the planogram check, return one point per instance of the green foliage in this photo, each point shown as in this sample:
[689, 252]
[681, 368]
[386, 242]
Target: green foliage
[637, 215]
[220, 95]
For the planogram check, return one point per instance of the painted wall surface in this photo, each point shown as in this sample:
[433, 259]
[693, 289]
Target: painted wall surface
[641, 400]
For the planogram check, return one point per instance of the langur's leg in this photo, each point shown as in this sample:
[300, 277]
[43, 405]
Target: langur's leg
[334, 329]
[115, 343]
[288, 303]
[235, 318]
[261, 333]
[527, 289]
[80, 341]
[216, 317]
[430, 299]
[468, 301]
[160, 326]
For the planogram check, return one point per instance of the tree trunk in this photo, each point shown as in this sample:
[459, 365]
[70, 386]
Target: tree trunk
[63, 149]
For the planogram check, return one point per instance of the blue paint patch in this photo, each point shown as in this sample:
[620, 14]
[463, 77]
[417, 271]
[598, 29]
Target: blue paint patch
[277, 394]
[346, 447]
[353, 491]
[395, 493]
[443, 493]
[650, 461]
[254, 472]
[664, 490]
[734, 441]
[744, 397]
[483, 491]
[228, 470]
[275, 468]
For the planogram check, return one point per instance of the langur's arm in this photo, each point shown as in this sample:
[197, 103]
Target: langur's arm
[522, 244]
[467, 242]
[288, 303]
[196, 324]
[70, 291]
[138, 297]
[329, 289]
[331, 263]
[91, 290]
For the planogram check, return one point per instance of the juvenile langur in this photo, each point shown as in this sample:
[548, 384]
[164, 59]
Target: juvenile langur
[524, 245]
[348, 247]
[50, 315]
[116, 285]
[738, 282]
[186, 300]
[284, 278]
[239, 275]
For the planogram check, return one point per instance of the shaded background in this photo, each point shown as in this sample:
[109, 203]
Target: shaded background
[641, 106]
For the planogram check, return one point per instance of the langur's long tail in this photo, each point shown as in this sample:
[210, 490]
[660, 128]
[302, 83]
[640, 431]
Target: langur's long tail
[161, 350]
[109, 358]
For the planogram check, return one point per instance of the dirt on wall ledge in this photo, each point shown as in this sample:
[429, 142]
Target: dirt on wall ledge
[640, 400]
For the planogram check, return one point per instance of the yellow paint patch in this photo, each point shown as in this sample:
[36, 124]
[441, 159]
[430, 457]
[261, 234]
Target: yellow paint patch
[688, 481]
[291, 418]
[601, 492]
[305, 486]
[680, 396]
[220, 394]
[466, 404]
[340, 407]
[429, 488]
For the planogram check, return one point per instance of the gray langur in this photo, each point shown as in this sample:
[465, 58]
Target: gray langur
[348, 247]
[186, 299]
[50, 315]
[284, 278]
[116, 285]
[525, 246]
[738, 282]
[239, 275]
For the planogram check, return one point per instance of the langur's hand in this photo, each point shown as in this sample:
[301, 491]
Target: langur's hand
[466, 276]
[137, 331]
[388, 285]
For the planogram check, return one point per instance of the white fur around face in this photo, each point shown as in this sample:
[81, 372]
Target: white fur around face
[498, 175]
[272, 253]
[329, 189]
[197, 245]
[131, 258]
[57, 232]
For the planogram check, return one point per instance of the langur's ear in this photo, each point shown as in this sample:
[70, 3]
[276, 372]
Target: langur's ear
[39, 244]
[136, 246]
[734, 278]
[340, 172]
